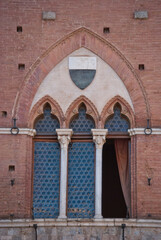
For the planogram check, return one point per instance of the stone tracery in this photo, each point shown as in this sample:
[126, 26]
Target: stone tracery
[38, 109]
[90, 110]
[126, 110]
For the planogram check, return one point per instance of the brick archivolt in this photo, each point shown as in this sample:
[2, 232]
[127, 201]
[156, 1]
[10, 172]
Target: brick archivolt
[59, 50]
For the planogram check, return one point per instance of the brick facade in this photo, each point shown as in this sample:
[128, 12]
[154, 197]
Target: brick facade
[41, 45]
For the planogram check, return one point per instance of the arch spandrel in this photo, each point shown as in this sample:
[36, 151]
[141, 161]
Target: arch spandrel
[57, 52]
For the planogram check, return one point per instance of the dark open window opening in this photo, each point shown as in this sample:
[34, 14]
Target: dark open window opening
[113, 202]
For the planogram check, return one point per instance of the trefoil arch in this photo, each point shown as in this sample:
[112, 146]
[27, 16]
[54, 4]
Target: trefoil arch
[38, 110]
[125, 108]
[73, 110]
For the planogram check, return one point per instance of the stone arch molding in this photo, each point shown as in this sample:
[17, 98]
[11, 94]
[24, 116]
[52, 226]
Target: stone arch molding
[38, 110]
[126, 110]
[90, 110]
[107, 52]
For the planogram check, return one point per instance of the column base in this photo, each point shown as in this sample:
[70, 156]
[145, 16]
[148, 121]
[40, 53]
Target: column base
[98, 216]
[62, 217]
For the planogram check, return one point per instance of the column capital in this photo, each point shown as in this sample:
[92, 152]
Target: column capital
[99, 136]
[64, 136]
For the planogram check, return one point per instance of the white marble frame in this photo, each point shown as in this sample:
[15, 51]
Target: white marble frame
[99, 138]
[64, 137]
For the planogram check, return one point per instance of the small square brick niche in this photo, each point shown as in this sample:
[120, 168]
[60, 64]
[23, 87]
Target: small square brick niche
[106, 30]
[4, 114]
[21, 66]
[19, 29]
[11, 168]
[141, 67]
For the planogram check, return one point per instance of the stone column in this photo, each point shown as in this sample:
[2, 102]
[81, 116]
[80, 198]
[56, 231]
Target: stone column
[99, 137]
[64, 137]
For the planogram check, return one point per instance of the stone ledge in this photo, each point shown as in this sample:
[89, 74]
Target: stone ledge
[139, 131]
[138, 223]
[23, 131]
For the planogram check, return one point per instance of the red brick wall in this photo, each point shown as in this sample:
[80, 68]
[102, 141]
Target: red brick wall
[139, 42]
[16, 199]
[148, 165]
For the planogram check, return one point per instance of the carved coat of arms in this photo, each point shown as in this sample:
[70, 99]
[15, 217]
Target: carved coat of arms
[82, 70]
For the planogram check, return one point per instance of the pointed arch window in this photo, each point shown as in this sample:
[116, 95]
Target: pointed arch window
[47, 123]
[116, 166]
[46, 166]
[117, 122]
[82, 123]
[81, 167]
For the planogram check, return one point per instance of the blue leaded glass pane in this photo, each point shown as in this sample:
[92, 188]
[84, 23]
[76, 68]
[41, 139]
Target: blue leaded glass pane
[82, 123]
[81, 180]
[116, 123]
[48, 124]
[46, 180]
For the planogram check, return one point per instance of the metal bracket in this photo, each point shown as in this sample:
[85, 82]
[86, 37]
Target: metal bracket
[14, 130]
[12, 182]
[35, 227]
[148, 130]
[123, 229]
[149, 179]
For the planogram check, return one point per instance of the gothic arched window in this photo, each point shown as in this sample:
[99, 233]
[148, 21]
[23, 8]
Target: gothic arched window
[81, 167]
[117, 122]
[82, 123]
[46, 167]
[47, 123]
[116, 167]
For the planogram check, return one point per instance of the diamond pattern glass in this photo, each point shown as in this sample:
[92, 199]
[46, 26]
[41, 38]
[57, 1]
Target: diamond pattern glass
[82, 123]
[116, 123]
[47, 125]
[46, 180]
[81, 180]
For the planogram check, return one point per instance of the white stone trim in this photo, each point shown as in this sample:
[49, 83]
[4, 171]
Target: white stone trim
[114, 222]
[139, 131]
[23, 131]
[48, 15]
[64, 137]
[101, 131]
[99, 138]
[82, 63]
